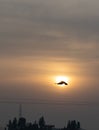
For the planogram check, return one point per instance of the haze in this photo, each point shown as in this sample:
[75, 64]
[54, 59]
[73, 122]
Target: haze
[41, 39]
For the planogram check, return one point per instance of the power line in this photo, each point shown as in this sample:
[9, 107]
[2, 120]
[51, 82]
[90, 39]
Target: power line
[49, 102]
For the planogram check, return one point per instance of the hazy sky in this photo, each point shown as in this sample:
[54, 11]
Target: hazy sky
[41, 39]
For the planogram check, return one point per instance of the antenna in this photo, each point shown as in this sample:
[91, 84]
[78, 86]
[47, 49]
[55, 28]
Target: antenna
[20, 110]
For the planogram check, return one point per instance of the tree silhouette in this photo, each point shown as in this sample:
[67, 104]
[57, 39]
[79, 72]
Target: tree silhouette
[68, 124]
[22, 123]
[9, 125]
[35, 125]
[14, 123]
[78, 125]
[73, 125]
[41, 122]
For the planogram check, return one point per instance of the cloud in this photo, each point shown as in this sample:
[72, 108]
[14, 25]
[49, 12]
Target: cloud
[62, 28]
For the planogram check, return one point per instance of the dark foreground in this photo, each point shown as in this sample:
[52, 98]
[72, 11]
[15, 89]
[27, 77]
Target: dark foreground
[21, 124]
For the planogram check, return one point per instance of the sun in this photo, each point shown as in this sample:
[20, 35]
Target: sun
[61, 78]
[58, 79]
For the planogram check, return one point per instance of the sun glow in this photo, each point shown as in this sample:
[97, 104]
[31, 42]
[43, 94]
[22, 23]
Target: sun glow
[61, 78]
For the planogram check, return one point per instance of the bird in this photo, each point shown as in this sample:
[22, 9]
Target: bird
[62, 82]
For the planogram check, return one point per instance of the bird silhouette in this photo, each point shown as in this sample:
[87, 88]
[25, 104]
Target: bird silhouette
[62, 82]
